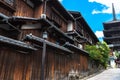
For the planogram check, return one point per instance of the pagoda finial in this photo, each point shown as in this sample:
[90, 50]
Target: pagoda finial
[113, 11]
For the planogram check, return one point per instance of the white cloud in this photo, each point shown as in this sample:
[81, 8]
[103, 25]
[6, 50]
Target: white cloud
[108, 4]
[99, 34]
[60, 0]
[95, 11]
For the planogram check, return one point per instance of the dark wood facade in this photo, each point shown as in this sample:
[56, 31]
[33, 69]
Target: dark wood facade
[22, 24]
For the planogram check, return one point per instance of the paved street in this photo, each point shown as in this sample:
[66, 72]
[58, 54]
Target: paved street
[109, 74]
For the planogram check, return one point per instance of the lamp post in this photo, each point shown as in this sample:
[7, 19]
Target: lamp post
[45, 36]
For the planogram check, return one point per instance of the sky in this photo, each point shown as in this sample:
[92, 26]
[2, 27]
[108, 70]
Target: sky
[95, 12]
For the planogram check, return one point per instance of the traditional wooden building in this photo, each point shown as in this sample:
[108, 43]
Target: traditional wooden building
[41, 40]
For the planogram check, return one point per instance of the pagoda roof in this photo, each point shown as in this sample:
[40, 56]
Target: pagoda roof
[115, 20]
[109, 38]
[112, 30]
[112, 22]
[115, 46]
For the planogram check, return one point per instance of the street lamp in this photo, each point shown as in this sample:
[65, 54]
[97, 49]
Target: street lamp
[45, 36]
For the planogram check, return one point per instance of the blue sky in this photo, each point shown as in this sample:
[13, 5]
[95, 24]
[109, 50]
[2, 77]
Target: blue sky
[95, 12]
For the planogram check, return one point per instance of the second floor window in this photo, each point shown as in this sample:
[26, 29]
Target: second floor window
[10, 2]
[70, 26]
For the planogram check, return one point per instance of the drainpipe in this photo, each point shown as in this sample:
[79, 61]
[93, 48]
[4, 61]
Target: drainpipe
[43, 15]
[43, 55]
[45, 6]
[43, 60]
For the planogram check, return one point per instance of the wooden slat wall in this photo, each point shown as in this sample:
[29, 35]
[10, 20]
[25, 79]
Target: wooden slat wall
[38, 11]
[83, 62]
[56, 66]
[2, 32]
[6, 12]
[22, 9]
[54, 15]
[7, 34]
[17, 66]
[64, 27]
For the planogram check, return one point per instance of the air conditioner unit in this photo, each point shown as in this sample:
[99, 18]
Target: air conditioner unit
[80, 46]
[43, 16]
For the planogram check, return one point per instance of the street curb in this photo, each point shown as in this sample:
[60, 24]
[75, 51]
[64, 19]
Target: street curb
[92, 75]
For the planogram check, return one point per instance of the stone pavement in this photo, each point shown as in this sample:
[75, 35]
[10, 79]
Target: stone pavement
[109, 74]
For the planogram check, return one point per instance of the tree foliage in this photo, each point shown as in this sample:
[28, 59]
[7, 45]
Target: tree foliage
[99, 52]
[117, 54]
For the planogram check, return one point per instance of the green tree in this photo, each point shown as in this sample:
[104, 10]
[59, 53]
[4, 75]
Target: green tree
[99, 52]
[117, 54]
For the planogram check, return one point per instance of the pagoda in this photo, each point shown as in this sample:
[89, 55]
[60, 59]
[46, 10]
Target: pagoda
[112, 32]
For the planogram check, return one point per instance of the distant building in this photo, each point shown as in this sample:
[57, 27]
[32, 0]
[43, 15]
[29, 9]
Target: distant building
[112, 35]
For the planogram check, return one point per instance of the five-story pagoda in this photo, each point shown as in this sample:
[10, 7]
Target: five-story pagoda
[112, 32]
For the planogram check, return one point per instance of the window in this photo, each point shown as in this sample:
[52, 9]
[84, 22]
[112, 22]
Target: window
[70, 26]
[11, 2]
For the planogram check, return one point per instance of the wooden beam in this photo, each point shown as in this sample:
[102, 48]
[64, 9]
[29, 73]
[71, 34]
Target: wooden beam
[39, 41]
[59, 14]
[16, 44]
